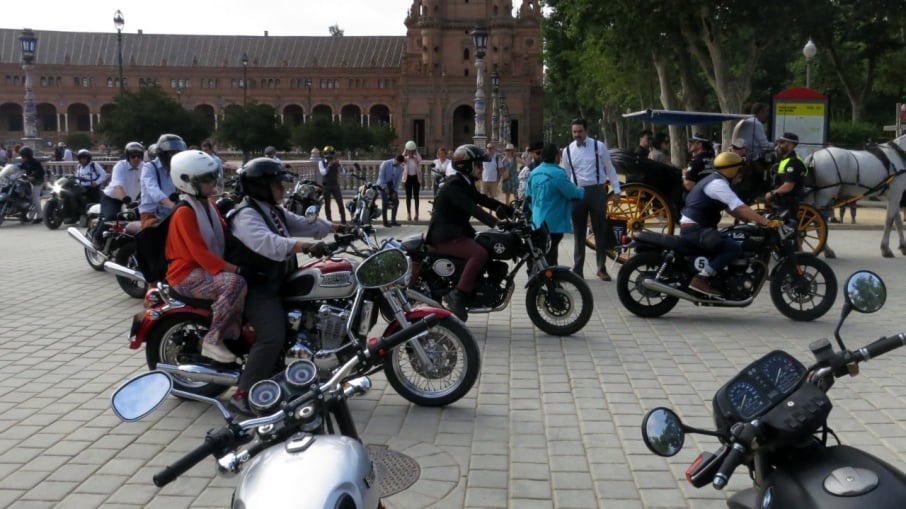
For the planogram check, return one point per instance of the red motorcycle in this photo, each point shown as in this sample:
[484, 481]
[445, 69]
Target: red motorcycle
[331, 305]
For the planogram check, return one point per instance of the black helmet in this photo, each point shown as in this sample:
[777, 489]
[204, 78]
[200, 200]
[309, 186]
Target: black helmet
[26, 152]
[465, 157]
[256, 176]
[84, 154]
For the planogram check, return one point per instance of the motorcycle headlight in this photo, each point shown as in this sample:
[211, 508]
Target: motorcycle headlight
[370, 194]
[57, 188]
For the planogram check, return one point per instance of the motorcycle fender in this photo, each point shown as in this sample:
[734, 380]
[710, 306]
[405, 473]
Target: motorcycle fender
[309, 471]
[145, 321]
[803, 481]
[796, 257]
[547, 274]
[415, 314]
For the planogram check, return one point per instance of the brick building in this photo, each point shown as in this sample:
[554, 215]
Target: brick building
[422, 84]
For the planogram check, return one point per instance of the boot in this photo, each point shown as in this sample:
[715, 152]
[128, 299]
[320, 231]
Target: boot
[702, 285]
[456, 303]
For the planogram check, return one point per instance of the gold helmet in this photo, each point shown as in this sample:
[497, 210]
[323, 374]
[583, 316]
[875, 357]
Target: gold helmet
[728, 164]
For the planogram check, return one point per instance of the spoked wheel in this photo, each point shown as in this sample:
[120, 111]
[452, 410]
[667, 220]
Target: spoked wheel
[812, 229]
[636, 298]
[53, 214]
[803, 288]
[559, 302]
[641, 208]
[446, 373]
[177, 340]
[125, 256]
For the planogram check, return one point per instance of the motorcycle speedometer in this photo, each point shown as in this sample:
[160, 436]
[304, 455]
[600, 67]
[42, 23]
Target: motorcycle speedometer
[301, 373]
[264, 396]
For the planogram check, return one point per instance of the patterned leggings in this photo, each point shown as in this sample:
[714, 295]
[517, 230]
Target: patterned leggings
[227, 290]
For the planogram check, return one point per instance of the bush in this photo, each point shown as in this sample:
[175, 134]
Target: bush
[853, 135]
[77, 141]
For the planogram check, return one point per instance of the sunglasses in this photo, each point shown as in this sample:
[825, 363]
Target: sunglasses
[132, 156]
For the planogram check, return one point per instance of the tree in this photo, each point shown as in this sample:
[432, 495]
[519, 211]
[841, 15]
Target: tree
[252, 127]
[144, 114]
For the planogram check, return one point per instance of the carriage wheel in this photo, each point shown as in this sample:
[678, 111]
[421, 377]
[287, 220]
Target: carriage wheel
[641, 208]
[812, 229]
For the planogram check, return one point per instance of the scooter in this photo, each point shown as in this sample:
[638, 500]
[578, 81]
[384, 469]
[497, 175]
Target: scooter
[772, 418]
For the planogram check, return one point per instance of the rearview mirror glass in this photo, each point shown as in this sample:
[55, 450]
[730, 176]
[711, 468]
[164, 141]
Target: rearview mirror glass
[865, 291]
[663, 432]
[141, 395]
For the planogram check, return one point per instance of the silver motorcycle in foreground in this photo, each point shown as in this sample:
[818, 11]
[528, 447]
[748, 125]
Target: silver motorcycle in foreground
[302, 452]
[772, 418]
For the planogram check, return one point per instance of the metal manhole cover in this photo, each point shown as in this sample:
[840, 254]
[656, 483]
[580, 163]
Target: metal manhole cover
[395, 470]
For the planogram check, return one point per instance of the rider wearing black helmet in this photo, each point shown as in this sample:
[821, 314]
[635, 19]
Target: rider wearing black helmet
[450, 232]
[156, 184]
[266, 254]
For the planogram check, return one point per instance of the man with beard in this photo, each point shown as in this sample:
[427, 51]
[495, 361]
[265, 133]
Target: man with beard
[789, 178]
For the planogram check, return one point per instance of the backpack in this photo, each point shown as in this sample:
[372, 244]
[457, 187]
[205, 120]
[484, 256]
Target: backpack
[150, 246]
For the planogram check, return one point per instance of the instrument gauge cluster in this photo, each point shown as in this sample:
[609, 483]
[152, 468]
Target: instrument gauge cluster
[757, 388]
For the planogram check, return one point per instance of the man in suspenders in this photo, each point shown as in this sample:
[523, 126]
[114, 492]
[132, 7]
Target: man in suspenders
[588, 165]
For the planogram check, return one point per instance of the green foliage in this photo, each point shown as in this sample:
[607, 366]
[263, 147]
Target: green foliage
[321, 131]
[79, 140]
[252, 127]
[853, 135]
[144, 114]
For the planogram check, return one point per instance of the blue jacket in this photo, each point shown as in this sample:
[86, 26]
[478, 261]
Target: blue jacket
[551, 193]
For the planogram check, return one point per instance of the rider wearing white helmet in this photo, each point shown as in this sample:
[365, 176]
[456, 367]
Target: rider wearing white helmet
[412, 176]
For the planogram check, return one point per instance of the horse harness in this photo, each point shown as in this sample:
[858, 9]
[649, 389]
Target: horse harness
[875, 150]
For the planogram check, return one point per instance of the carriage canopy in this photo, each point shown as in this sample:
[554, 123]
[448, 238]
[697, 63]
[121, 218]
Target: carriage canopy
[682, 118]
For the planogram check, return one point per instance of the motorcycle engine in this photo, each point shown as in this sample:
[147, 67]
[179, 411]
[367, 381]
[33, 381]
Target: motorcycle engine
[743, 277]
[490, 289]
[316, 331]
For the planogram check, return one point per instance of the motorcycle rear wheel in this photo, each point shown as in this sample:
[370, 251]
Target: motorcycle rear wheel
[456, 362]
[3, 207]
[804, 288]
[636, 298]
[125, 256]
[560, 305]
[177, 340]
[53, 215]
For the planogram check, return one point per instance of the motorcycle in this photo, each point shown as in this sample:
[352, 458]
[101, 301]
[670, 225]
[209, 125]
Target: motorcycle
[303, 451]
[306, 197]
[363, 206]
[68, 203]
[117, 244]
[558, 301]
[331, 304]
[651, 283]
[15, 194]
[772, 418]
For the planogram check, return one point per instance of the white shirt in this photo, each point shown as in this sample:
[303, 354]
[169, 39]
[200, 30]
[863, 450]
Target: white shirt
[752, 130]
[582, 169]
[489, 169]
[126, 176]
[67, 155]
[90, 175]
[445, 167]
[718, 189]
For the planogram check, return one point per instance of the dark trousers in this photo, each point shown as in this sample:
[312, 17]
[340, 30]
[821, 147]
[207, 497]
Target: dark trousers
[551, 256]
[332, 193]
[476, 257]
[593, 204]
[92, 195]
[725, 252]
[412, 188]
[265, 312]
[110, 209]
[389, 201]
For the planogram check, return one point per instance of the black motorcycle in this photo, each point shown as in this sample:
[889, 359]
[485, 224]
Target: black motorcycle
[772, 418]
[115, 242]
[306, 198]
[363, 206]
[68, 203]
[650, 283]
[558, 301]
[15, 194]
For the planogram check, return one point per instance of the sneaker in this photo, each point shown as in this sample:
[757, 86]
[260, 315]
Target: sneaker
[455, 301]
[239, 404]
[701, 285]
[218, 352]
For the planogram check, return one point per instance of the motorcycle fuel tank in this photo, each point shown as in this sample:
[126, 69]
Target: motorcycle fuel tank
[838, 477]
[309, 471]
[500, 245]
[321, 279]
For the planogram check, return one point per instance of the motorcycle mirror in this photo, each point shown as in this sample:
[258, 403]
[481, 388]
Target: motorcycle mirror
[865, 292]
[663, 432]
[141, 395]
[311, 213]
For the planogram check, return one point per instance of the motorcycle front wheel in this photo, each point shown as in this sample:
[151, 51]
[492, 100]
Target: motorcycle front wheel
[803, 288]
[53, 214]
[453, 363]
[125, 256]
[636, 298]
[177, 340]
[559, 305]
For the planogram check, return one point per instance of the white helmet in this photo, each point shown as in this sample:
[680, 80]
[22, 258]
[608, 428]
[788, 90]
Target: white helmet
[189, 167]
[410, 145]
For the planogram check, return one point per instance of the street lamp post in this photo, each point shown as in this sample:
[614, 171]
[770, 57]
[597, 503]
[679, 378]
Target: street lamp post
[29, 120]
[245, 80]
[119, 22]
[495, 106]
[505, 135]
[809, 51]
[480, 42]
[308, 86]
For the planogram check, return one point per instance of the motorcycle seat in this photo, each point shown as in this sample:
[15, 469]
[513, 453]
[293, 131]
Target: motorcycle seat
[415, 243]
[191, 301]
[671, 242]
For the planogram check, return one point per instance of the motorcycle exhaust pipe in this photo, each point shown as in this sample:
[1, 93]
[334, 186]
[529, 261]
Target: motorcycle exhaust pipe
[198, 373]
[83, 240]
[656, 286]
[119, 270]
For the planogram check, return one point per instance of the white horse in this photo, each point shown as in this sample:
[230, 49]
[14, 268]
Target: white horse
[840, 172]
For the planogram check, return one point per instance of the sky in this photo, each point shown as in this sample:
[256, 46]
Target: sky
[222, 17]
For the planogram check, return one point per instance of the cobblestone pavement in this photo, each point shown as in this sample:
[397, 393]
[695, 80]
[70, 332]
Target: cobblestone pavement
[553, 422]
